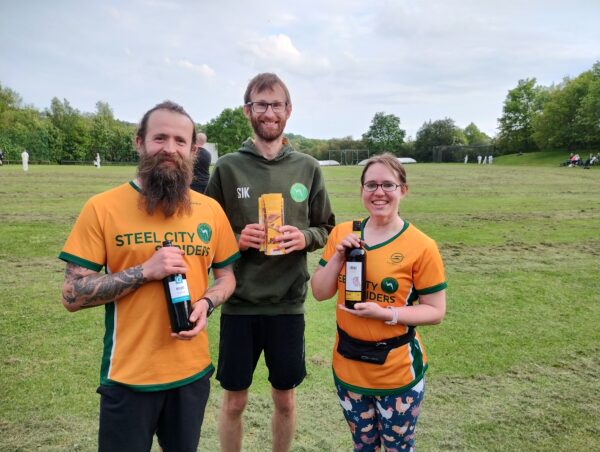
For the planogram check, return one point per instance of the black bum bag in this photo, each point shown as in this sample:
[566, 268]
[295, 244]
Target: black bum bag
[370, 352]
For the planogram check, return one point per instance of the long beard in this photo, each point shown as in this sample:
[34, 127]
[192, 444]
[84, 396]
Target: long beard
[165, 186]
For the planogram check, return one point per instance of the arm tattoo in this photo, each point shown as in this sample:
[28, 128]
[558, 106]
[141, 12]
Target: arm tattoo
[91, 288]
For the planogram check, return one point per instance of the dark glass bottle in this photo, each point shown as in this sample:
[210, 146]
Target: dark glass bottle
[179, 303]
[356, 269]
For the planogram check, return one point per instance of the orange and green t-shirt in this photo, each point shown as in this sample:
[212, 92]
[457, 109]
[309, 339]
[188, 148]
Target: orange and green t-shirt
[114, 233]
[398, 271]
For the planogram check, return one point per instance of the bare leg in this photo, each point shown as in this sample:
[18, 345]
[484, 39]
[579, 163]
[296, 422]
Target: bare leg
[230, 420]
[284, 419]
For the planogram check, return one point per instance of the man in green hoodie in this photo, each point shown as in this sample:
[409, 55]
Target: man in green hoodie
[266, 312]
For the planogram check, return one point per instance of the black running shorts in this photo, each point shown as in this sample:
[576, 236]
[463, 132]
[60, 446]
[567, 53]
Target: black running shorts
[245, 337]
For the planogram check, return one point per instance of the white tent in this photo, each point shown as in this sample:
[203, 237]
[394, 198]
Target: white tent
[329, 163]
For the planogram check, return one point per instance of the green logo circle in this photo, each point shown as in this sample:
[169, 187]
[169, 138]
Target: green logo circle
[299, 192]
[204, 232]
[389, 285]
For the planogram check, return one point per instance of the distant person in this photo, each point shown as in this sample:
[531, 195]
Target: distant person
[479, 159]
[466, 158]
[575, 160]
[589, 162]
[266, 311]
[201, 165]
[379, 362]
[1, 157]
[25, 160]
[484, 160]
[152, 381]
[490, 159]
[97, 161]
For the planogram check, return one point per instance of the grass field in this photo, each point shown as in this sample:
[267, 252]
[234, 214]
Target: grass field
[514, 366]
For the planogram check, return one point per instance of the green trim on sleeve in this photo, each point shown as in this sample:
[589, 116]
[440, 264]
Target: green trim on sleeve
[226, 262]
[322, 262]
[80, 261]
[433, 289]
[108, 342]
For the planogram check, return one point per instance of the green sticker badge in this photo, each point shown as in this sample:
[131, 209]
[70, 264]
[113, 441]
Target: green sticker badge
[204, 232]
[389, 285]
[299, 192]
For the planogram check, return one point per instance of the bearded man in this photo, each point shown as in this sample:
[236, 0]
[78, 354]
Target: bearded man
[152, 381]
[266, 312]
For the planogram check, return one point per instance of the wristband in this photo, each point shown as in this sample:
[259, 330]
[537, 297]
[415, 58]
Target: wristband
[394, 320]
[211, 306]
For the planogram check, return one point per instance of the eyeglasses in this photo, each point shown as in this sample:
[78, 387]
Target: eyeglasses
[386, 186]
[262, 107]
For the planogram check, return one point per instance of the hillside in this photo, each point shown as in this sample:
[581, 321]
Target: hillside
[543, 158]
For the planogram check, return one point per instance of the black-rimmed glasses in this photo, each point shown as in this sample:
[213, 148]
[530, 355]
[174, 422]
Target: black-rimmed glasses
[261, 107]
[386, 186]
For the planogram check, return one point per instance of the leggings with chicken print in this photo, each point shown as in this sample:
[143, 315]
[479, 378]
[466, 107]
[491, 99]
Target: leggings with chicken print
[388, 420]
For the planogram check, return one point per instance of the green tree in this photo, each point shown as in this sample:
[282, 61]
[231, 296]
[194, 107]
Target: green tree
[474, 136]
[588, 113]
[121, 146]
[73, 129]
[9, 99]
[24, 128]
[384, 134]
[102, 129]
[521, 106]
[557, 126]
[442, 132]
[228, 130]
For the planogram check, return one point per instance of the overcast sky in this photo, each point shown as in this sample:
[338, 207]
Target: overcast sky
[343, 60]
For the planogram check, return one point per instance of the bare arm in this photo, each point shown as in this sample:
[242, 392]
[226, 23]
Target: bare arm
[84, 288]
[324, 280]
[430, 310]
[218, 293]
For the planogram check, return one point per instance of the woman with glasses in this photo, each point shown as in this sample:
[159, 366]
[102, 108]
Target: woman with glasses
[378, 358]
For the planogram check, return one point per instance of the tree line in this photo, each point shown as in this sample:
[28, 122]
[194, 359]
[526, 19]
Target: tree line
[561, 116]
[534, 117]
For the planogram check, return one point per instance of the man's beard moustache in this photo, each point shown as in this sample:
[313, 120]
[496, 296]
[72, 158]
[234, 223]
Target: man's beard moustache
[270, 135]
[167, 187]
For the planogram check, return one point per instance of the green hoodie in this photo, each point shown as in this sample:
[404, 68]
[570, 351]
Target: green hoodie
[272, 285]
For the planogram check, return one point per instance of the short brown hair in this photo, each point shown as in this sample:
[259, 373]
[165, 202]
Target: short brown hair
[169, 106]
[389, 161]
[265, 81]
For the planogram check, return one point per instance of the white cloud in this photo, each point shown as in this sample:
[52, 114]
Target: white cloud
[278, 51]
[343, 60]
[201, 69]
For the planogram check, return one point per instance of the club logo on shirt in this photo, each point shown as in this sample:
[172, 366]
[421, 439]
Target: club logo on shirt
[396, 258]
[298, 192]
[389, 285]
[204, 232]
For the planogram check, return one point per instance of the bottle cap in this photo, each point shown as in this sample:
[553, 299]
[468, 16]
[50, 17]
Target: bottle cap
[356, 225]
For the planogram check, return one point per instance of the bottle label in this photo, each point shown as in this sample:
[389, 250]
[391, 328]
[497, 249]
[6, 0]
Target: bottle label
[179, 290]
[354, 279]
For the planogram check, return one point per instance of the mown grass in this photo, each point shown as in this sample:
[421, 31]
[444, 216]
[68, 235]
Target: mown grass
[513, 367]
